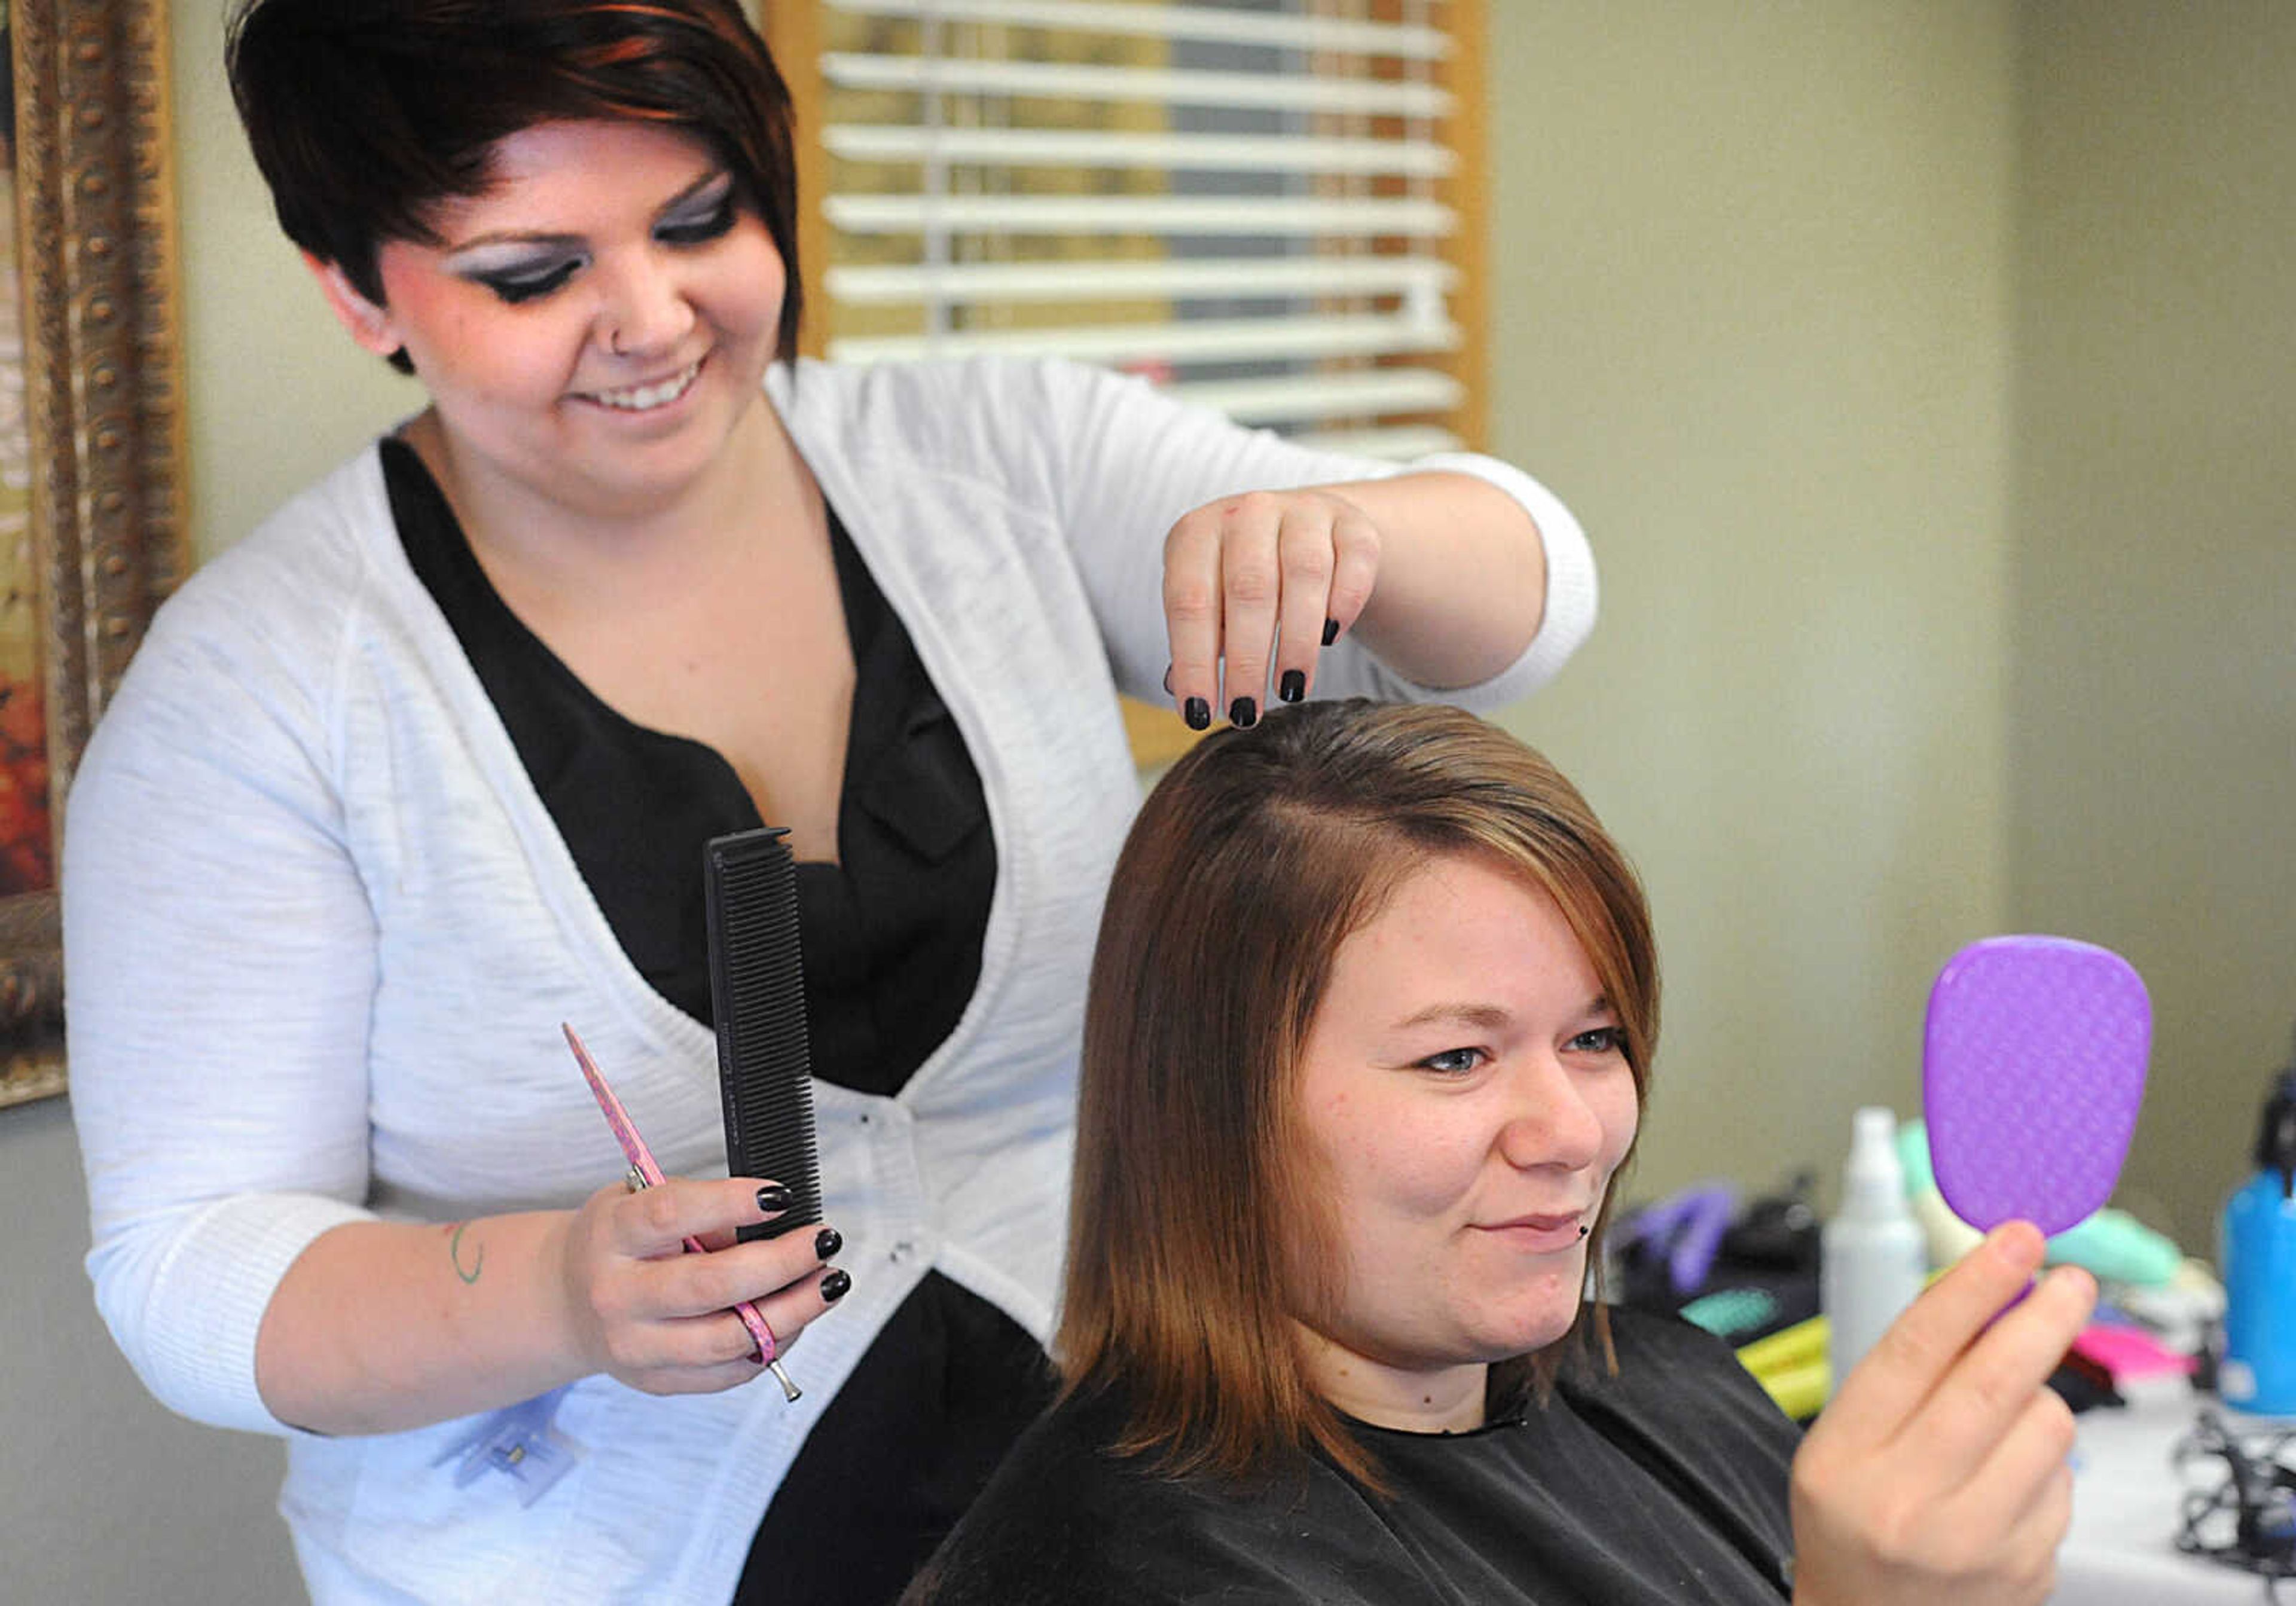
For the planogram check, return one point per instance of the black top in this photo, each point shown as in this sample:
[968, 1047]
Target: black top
[890, 942]
[890, 935]
[1667, 1483]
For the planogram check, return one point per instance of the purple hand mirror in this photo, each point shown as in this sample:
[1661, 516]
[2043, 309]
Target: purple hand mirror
[2032, 1068]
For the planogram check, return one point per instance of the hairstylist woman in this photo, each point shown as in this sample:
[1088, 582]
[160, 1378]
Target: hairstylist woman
[423, 766]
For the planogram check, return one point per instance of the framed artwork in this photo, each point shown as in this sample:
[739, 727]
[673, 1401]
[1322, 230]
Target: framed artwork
[91, 446]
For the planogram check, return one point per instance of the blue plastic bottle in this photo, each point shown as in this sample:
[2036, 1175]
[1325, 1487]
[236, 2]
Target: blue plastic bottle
[2258, 1255]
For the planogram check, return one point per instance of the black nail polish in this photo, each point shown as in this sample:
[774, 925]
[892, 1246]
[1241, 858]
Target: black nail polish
[834, 1286]
[1331, 631]
[1243, 713]
[827, 1242]
[1294, 686]
[772, 1197]
[1168, 680]
[1198, 714]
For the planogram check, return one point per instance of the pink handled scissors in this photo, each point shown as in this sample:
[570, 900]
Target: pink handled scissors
[645, 1173]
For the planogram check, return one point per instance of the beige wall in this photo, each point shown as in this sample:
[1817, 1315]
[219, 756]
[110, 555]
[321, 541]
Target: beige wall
[1884, 664]
[278, 393]
[2153, 684]
[1752, 321]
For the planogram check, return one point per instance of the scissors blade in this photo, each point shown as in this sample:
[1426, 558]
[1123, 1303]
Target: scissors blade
[626, 1130]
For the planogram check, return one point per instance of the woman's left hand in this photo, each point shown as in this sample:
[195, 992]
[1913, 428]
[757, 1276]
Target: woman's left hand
[1940, 1468]
[1255, 587]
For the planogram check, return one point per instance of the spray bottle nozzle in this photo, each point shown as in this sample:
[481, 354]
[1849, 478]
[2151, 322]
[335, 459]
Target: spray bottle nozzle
[2276, 1138]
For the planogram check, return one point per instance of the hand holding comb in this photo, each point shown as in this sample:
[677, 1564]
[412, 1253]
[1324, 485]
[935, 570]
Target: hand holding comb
[646, 1173]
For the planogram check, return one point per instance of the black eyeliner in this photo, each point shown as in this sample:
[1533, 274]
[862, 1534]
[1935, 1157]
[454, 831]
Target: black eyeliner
[515, 287]
[700, 231]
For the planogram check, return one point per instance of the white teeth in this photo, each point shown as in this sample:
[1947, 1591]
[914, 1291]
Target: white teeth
[645, 398]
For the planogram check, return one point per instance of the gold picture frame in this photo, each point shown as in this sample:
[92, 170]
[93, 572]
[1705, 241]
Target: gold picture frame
[101, 420]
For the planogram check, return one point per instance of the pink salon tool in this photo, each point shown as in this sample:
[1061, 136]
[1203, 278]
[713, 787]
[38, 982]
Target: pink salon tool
[2033, 1060]
[645, 1174]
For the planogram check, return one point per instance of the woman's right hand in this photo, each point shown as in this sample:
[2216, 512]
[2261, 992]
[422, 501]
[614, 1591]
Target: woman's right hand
[645, 1312]
[1939, 1471]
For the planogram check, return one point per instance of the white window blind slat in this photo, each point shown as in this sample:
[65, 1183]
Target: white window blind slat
[1403, 40]
[1398, 442]
[1134, 215]
[1197, 152]
[1205, 339]
[1311, 396]
[1062, 80]
[1107, 279]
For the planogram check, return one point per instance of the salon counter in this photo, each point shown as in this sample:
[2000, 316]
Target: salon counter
[2128, 1509]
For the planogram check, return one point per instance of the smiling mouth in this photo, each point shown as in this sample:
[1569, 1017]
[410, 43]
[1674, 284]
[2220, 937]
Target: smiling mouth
[1543, 1232]
[645, 399]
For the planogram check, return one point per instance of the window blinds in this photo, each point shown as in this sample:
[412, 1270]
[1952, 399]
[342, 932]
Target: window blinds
[1265, 205]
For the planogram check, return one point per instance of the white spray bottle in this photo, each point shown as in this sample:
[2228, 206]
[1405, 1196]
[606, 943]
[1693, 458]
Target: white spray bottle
[1873, 1259]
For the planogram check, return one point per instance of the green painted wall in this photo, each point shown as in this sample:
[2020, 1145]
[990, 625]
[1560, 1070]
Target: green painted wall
[2152, 687]
[1753, 320]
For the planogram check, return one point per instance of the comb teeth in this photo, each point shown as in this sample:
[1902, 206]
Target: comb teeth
[757, 989]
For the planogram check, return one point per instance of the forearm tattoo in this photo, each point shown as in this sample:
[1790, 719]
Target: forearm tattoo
[455, 1253]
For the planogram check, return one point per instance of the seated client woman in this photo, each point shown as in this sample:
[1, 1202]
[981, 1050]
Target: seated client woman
[1369, 1036]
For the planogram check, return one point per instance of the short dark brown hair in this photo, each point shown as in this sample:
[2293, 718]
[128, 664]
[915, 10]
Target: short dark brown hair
[1249, 864]
[364, 114]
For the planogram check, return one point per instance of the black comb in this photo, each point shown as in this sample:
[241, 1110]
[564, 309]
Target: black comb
[757, 992]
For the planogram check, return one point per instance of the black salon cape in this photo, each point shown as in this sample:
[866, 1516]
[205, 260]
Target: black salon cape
[1667, 1483]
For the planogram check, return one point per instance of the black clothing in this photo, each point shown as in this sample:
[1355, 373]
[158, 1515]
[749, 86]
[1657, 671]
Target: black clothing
[1667, 1483]
[891, 934]
[891, 939]
[901, 1453]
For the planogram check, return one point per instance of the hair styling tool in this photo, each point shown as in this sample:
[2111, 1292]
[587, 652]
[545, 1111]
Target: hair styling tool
[1685, 1229]
[2258, 1495]
[757, 991]
[2033, 1061]
[645, 1173]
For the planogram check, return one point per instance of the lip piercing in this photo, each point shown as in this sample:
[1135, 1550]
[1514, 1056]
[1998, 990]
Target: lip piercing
[1582, 1229]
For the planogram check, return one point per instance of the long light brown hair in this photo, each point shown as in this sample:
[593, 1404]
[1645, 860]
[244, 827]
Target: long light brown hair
[1193, 1202]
